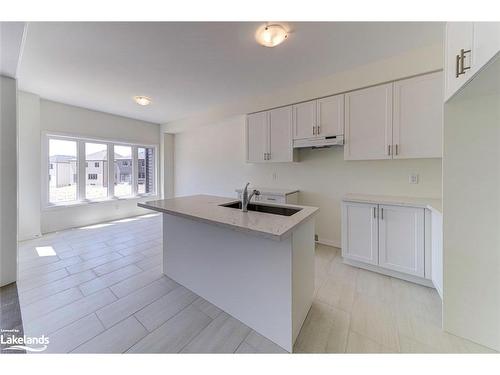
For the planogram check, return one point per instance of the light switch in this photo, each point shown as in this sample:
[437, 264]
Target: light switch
[413, 179]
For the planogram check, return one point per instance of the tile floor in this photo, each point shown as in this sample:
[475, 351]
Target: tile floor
[99, 289]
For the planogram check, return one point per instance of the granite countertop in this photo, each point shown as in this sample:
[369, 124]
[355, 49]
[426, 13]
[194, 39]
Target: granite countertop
[432, 204]
[206, 208]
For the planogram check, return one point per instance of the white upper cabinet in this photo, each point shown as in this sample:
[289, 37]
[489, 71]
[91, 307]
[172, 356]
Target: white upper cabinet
[304, 120]
[280, 135]
[469, 46]
[401, 239]
[257, 130]
[486, 43]
[418, 117]
[269, 136]
[330, 116]
[360, 232]
[368, 123]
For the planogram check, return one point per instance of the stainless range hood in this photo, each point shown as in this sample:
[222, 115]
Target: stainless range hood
[321, 142]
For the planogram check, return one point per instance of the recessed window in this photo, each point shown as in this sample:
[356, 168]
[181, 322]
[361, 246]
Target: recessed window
[63, 173]
[123, 171]
[96, 156]
[145, 170]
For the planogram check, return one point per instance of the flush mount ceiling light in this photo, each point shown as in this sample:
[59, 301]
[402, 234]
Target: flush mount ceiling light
[271, 35]
[142, 100]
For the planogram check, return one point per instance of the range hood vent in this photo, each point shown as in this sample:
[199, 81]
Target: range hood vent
[322, 142]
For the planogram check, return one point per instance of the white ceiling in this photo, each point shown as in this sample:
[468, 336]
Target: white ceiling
[187, 68]
[11, 39]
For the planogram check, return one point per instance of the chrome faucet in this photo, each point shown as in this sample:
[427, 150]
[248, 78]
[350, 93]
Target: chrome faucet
[245, 198]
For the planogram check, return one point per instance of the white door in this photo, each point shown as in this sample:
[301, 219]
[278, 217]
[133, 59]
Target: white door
[360, 232]
[257, 137]
[418, 117]
[486, 43]
[368, 123]
[304, 117]
[401, 239]
[280, 125]
[330, 115]
[459, 36]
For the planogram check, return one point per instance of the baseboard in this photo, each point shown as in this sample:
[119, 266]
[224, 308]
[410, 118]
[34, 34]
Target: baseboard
[333, 243]
[395, 274]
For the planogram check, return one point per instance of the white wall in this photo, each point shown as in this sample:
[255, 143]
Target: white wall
[471, 221]
[8, 180]
[211, 160]
[28, 165]
[61, 118]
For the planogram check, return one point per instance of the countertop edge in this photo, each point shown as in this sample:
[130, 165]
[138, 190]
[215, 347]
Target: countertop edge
[396, 201]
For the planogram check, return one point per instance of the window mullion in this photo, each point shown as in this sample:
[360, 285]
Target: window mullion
[80, 159]
[135, 169]
[111, 170]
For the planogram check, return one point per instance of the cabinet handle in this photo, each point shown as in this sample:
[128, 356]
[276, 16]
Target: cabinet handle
[269, 156]
[397, 149]
[382, 213]
[374, 214]
[265, 156]
[389, 150]
[318, 129]
[460, 63]
[314, 130]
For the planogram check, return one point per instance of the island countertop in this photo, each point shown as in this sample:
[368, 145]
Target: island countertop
[206, 208]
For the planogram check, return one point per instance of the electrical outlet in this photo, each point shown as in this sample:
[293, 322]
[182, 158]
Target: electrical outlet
[413, 178]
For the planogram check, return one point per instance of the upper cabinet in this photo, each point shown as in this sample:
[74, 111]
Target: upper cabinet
[469, 46]
[319, 118]
[269, 136]
[368, 123]
[418, 117]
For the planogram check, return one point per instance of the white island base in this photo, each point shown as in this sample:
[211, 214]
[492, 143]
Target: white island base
[267, 284]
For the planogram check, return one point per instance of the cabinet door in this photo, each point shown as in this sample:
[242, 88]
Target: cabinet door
[368, 123]
[280, 124]
[486, 43]
[360, 232]
[418, 117]
[331, 115]
[458, 36]
[257, 137]
[304, 118]
[401, 239]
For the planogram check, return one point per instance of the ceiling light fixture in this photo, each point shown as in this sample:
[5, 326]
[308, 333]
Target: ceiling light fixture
[271, 35]
[142, 100]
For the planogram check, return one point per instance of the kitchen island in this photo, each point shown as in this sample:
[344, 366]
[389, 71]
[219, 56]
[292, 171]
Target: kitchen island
[256, 266]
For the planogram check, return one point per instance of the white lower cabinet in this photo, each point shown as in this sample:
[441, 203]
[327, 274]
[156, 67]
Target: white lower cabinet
[360, 232]
[401, 239]
[387, 238]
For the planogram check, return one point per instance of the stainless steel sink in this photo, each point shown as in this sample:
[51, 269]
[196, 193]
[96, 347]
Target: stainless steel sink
[275, 210]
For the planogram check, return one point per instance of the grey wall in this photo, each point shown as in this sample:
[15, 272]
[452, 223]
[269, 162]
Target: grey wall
[8, 180]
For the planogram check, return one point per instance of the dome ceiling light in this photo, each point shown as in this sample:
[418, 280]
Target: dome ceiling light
[142, 100]
[271, 35]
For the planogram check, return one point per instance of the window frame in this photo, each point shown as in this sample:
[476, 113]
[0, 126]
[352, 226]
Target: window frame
[81, 160]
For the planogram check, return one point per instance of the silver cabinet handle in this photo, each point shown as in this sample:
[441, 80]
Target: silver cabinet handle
[389, 150]
[397, 149]
[318, 129]
[265, 155]
[382, 213]
[374, 214]
[460, 67]
[268, 156]
[314, 130]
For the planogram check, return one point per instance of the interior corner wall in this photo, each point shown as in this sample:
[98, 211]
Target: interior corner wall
[8, 180]
[29, 166]
[167, 164]
[471, 220]
[66, 119]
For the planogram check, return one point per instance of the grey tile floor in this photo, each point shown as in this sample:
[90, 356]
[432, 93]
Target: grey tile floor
[100, 289]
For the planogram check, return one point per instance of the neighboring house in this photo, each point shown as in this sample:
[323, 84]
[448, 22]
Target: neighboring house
[62, 170]
[123, 169]
[96, 169]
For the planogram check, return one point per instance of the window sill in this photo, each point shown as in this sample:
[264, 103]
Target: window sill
[64, 205]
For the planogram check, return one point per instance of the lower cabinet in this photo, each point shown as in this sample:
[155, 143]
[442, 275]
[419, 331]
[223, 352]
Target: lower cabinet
[388, 237]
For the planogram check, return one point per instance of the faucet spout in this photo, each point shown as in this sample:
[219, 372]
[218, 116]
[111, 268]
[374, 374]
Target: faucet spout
[245, 197]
